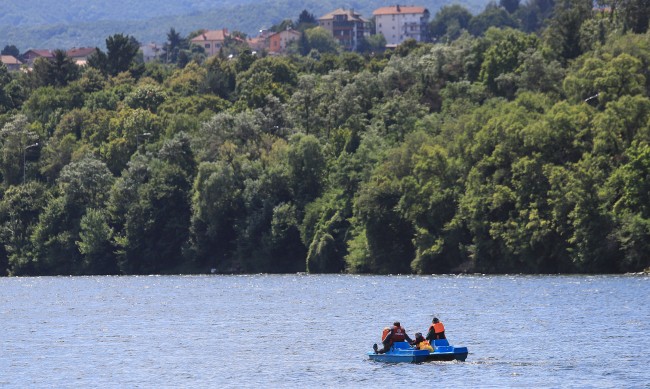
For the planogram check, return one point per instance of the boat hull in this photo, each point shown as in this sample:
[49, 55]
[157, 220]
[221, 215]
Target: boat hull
[459, 354]
[400, 352]
[443, 351]
[403, 352]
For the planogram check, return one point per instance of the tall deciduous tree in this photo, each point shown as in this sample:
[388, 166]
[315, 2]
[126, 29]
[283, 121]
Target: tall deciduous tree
[306, 17]
[83, 184]
[509, 5]
[15, 137]
[150, 202]
[19, 211]
[634, 15]
[217, 206]
[449, 23]
[10, 50]
[504, 55]
[174, 44]
[61, 69]
[629, 200]
[563, 34]
[96, 243]
[492, 16]
[120, 54]
[322, 41]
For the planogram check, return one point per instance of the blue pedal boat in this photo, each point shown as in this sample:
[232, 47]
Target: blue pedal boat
[403, 352]
[443, 351]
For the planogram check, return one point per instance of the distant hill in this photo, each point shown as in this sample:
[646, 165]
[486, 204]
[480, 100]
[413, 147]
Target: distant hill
[50, 24]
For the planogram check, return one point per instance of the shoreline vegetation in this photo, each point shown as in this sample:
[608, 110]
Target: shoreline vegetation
[503, 146]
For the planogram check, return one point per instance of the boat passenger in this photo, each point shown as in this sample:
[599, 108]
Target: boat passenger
[396, 333]
[420, 343]
[436, 330]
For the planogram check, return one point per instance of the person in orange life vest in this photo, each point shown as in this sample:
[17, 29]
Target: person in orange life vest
[396, 333]
[436, 330]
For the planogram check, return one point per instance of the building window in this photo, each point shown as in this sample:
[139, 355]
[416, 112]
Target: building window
[207, 45]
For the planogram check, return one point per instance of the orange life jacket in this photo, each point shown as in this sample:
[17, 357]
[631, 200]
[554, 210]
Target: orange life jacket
[437, 328]
[384, 333]
[398, 334]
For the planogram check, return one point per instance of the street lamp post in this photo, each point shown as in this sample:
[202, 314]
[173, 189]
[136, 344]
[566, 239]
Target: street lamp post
[25, 160]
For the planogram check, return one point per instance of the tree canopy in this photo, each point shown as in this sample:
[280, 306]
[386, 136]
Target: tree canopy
[517, 141]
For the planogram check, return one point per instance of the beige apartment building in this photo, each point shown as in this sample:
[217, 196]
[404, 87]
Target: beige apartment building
[346, 26]
[212, 41]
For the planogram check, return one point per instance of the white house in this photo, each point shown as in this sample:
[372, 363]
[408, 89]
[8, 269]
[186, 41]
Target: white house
[398, 23]
[150, 52]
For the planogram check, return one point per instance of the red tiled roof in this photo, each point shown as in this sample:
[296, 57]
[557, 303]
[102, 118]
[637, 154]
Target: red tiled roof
[9, 60]
[41, 53]
[292, 32]
[212, 35]
[77, 52]
[399, 9]
[340, 11]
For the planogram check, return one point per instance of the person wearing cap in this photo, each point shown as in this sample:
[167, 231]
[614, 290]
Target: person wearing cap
[396, 333]
[436, 330]
[420, 343]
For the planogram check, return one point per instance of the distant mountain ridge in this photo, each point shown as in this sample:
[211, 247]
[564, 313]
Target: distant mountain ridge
[49, 12]
[51, 24]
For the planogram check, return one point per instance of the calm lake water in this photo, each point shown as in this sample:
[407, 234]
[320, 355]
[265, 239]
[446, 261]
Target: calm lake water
[314, 331]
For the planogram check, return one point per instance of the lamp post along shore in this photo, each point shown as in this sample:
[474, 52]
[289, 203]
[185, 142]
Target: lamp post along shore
[25, 160]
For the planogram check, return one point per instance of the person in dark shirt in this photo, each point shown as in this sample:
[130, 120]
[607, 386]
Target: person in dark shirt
[396, 333]
[420, 343]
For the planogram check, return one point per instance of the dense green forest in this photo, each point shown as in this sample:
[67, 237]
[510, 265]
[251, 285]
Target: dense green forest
[49, 24]
[498, 149]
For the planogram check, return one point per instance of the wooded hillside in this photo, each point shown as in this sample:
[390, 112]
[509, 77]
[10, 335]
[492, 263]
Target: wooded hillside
[508, 151]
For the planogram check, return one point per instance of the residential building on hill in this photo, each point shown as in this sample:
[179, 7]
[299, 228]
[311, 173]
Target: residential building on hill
[80, 54]
[278, 42]
[346, 26]
[31, 55]
[261, 41]
[212, 41]
[150, 52]
[256, 43]
[12, 63]
[398, 23]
